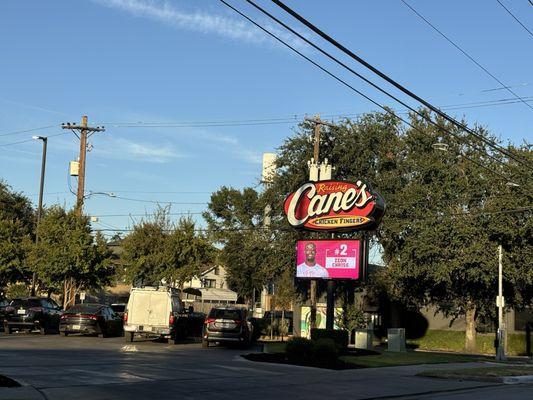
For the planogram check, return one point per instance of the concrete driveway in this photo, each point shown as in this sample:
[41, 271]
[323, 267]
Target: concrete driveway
[54, 367]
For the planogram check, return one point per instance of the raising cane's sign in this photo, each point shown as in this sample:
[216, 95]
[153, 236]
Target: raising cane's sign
[334, 206]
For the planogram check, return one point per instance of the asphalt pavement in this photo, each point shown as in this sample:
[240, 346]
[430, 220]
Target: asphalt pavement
[74, 367]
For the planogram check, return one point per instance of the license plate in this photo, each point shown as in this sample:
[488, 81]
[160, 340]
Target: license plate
[21, 311]
[77, 327]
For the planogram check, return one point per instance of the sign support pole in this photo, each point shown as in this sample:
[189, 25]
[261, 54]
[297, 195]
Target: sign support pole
[330, 301]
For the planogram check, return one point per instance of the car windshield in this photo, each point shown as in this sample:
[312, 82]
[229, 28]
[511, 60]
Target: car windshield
[221, 313]
[4, 303]
[18, 303]
[84, 309]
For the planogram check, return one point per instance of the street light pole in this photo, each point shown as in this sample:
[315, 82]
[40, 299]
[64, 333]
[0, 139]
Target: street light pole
[500, 351]
[40, 207]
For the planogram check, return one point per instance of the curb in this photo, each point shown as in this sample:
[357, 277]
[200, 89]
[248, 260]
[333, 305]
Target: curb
[517, 379]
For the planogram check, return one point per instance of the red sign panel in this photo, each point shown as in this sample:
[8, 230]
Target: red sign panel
[334, 206]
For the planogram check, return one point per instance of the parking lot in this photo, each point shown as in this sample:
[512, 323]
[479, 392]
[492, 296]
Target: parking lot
[55, 367]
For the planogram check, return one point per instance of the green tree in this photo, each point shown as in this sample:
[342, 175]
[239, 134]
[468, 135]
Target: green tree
[235, 221]
[16, 235]
[68, 257]
[443, 222]
[158, 250]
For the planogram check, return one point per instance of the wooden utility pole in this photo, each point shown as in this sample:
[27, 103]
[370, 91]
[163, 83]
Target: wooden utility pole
[81, 172]
[316, 152]
[84, 132]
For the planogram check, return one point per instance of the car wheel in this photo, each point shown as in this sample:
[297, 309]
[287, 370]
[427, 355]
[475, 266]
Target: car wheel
[63, 333]
[128, 336]
[174, 338]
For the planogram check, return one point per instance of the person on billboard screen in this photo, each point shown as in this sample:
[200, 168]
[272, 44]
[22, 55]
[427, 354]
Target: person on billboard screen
[309, 268]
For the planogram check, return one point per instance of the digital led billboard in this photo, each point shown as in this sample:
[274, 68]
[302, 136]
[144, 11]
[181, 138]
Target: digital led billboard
[328, 259]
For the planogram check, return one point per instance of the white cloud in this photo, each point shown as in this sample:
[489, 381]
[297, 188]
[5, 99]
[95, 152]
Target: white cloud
[199, 21]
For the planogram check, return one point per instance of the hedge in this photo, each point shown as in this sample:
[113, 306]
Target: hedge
[455, 341]
[339, 337]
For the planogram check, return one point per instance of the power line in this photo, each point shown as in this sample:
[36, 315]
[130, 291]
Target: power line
[288, 229]
[30, 140]
[455, 106]
[515, 18]
[143, 215]
[397, 85]
[420, 114]
[27, 130]
[465, 53]
[387, 110]
[157, 201]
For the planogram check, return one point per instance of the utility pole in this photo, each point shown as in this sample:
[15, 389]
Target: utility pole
[85, 132]
[500, 302]
[314, 176]
[40, 207]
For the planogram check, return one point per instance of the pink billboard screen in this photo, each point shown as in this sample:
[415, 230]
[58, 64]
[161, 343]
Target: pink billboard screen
[328, 259]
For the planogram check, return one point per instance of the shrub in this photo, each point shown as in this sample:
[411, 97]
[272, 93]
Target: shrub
[325, 352]
[259, 328]
[339, 337]
[299, 350]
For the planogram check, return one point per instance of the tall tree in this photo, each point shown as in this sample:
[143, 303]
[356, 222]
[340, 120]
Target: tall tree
[16, 235]
[235, 221]
[68, 257]
[439, 234]
[158, 250]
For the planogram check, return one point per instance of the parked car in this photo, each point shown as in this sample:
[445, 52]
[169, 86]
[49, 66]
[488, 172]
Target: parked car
[32, 313]
[92, 319]
[227, 324]
[119, 309]
[155, 311]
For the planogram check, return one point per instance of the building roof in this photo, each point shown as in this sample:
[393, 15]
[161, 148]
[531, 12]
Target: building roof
[213, 294]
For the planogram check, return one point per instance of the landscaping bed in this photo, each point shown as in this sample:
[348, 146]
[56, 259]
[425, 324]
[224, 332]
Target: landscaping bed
[281, 358]
[8, 382]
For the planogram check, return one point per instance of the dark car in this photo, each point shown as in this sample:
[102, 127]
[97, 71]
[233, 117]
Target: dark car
[227, 324]
[92, 319]
[32, 313]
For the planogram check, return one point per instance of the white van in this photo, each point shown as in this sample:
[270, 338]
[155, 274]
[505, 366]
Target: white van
[154, 311]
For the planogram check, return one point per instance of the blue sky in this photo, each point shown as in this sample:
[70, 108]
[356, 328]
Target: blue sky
[192, 62]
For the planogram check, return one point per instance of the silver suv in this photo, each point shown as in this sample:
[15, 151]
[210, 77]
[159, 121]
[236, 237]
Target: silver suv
[227, 324]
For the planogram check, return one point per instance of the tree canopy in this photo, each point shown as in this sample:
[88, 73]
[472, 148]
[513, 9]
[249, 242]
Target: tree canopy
[158, 250]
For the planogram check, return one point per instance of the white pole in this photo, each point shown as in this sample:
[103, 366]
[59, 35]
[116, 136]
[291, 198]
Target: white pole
[500, 351]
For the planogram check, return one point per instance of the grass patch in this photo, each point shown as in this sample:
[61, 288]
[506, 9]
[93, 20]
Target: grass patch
[390, 359]
[455, 341]
[487, 372]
